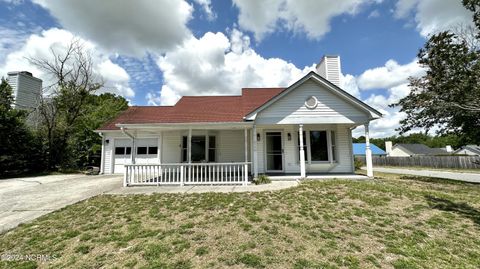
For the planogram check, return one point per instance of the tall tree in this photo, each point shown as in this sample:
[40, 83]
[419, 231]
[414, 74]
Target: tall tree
[85, 144]
[448, 95]
[20, 149]
[65, 101]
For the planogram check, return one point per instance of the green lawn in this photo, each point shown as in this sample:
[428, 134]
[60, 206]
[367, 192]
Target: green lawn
[475, 171]
[392, 222]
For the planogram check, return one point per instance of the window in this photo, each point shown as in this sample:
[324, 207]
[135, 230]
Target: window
[184, 149]
[119, 150]
[211, 148]
[200, 152]
[198, 148]
[152, 150]
[304, 145]
[128, 150]
[141, 150]
[318, 146]
[333, 143]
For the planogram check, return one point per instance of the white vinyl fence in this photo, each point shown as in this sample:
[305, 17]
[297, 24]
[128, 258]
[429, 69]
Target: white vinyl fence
[186, 174]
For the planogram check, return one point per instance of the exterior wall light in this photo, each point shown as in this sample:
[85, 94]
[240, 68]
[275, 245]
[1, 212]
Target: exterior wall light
[289, 136]
[258, 137]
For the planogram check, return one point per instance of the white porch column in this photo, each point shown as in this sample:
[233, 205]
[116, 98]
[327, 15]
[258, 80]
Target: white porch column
[189, 146]
[159, 148]
[255, 154]
[302, 151]
[246, 144]
[368, 152]
[245, 166]
[102, 159]
[134, 151]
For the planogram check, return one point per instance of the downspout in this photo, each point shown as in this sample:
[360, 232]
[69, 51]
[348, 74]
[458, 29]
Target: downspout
[133, 143]
[102, 155]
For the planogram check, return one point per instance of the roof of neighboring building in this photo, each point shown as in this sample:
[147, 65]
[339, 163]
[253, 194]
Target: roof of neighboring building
[194, 109]
[359, 149]
[473, 148]
[421, 149]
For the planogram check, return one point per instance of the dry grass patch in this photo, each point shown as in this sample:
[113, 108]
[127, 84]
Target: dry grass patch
[393, 221]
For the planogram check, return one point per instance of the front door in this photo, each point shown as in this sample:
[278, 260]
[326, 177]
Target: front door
[274, 151]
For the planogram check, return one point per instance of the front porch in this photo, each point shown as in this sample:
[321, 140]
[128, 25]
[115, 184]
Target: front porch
[230, 154]
[186, 174]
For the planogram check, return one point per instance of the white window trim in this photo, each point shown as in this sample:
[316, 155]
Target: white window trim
[207, 135]
[308, 146]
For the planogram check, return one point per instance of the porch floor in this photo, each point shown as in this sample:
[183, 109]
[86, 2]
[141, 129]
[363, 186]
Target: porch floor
[280, 177]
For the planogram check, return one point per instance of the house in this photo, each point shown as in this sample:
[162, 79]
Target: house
[300, 130]
[359, 149]
[411, 150]
[472, 150]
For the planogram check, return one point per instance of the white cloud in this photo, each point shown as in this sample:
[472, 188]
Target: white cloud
[374, 14]
[390, 75]
[432, 16]
[310, 17]
[131, 27]
[349, 84]
[217, 64]
[384, 126]
[207, 8]
[10, 40]
[39, 47]
[394, 79]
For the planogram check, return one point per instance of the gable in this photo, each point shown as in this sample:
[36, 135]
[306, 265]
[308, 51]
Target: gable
[330, 107]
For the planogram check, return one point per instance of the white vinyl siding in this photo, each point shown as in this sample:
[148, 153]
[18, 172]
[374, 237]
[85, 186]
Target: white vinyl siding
[291, 109]
[330, 69]
[399, 152]
[172, 147]
[231, 146]
[108, 156]
[343, 164]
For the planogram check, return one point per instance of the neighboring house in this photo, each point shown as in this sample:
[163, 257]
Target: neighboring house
[472, 150]
[359, 149]
[26, 89]
[299, 130]
[410, 150]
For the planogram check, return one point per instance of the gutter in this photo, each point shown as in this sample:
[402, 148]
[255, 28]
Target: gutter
[133, 143]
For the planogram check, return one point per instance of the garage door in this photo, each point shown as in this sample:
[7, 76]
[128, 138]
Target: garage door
[146, 152]
[123, 153]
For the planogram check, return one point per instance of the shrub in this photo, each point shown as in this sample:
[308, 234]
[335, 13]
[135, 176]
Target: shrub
[262, 179]
[358, 164]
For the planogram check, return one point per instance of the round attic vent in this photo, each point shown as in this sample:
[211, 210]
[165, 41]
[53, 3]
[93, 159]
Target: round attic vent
[311, 102]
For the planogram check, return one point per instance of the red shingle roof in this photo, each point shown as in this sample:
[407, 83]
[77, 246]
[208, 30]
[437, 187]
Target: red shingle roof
[196, 109]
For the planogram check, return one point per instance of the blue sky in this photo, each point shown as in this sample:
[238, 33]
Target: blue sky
[154, 52]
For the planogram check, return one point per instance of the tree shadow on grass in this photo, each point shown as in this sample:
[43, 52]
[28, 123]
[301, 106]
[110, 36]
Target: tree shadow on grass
[463, 209]
[435, 180]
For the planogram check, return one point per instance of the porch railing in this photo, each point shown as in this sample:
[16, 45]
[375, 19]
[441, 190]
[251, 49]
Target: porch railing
[186, 174]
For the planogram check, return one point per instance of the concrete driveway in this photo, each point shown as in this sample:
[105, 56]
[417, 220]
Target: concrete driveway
[25, 199]
[466, 177]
